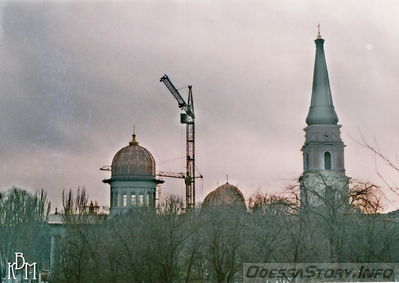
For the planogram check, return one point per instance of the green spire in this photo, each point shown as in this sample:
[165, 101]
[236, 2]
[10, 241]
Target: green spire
[321, 110]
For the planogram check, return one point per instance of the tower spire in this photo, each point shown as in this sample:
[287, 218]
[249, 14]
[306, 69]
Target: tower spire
[323, 181]
[321, 109]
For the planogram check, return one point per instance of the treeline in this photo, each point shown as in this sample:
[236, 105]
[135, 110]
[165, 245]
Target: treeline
[212, 243]
[207, 244]
[23, 227]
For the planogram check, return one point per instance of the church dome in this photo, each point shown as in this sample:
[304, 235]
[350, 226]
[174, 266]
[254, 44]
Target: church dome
[225, 195]
[133, 161]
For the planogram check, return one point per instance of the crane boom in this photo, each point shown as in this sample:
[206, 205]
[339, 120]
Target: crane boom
[171, 174]
[174, 91]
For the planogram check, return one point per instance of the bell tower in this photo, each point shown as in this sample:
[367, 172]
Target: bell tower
[323, 180]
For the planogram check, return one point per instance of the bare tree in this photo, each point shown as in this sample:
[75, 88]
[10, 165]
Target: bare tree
[365, 197]
[74, 204]
[375, 149]
[23, 217]
[172, 245]
[272, 204]
[221, 247]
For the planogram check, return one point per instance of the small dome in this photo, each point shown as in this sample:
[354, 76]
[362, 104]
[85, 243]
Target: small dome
[226, 194]
[133, 161]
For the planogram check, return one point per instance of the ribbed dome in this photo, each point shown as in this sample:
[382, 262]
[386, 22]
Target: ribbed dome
[133, 161]
[226, 194]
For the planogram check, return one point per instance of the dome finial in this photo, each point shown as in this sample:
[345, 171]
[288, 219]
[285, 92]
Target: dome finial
[318, 32]
[227, 178]
[134, 141]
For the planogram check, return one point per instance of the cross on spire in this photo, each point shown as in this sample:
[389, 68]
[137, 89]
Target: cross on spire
[318, 31]
[134, 141]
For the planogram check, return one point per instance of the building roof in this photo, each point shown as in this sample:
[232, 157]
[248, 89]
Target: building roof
[61, 219]
[321, 109]
[225, 195]
[133, 161]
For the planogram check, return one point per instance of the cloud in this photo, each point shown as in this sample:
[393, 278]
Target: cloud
[76, 76]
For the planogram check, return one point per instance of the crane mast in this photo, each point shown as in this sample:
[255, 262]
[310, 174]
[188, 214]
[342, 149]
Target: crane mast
[187, 118]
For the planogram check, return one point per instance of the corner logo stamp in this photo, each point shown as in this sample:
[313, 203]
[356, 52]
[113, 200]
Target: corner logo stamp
[21, 264]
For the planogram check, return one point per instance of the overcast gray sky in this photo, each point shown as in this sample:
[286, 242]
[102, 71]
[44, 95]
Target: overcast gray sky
[76, 75]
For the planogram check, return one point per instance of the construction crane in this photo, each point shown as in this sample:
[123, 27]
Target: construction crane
[187, 118]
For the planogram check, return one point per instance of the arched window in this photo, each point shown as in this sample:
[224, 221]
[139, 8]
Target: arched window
[117, 201]
[141, 199]
[124, 201]
[327, 161]
[134, 200]
[148, 199]
[307, 161]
